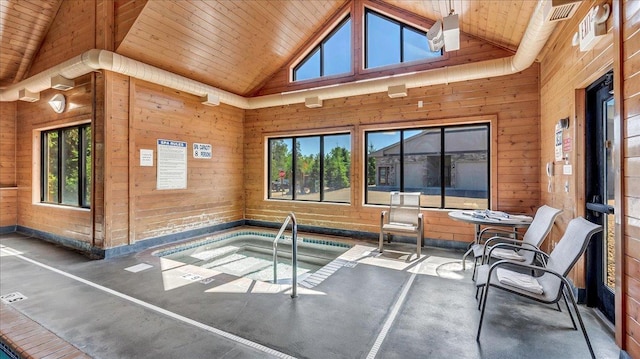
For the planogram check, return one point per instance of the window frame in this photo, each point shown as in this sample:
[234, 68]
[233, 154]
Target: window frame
[443, 154]
[82, 165]
[321, 170]
[319, 48]
[403, 26]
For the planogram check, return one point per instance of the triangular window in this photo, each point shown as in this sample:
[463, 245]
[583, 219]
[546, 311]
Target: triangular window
[331, 57]
[390, 42]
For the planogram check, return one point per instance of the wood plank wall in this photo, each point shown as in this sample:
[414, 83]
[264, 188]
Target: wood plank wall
[72, 33]
[564, 71]
[8, 189]
[630, 88]
[512, 100]
[33, 117]
[214, 193]
[7, 144]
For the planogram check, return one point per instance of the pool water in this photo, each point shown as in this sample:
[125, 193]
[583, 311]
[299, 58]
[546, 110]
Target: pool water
[251, 256]
[6, 353]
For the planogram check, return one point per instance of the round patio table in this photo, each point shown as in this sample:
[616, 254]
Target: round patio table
[489, 218]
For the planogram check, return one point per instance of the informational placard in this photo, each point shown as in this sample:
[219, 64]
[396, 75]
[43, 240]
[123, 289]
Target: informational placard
[202, 150]
[172, 165]
[558, 143]
[146, 158]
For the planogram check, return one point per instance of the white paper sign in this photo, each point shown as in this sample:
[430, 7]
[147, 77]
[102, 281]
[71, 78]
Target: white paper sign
[172, 165]
[146, 158]
[202, 150]
[558, 143]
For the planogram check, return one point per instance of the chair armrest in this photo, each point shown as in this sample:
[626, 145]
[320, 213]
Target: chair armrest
[499, 239]
[383, 214]
[516, 247]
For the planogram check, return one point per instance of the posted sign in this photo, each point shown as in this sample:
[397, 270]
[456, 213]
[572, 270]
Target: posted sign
[172, 165]
[202, 150]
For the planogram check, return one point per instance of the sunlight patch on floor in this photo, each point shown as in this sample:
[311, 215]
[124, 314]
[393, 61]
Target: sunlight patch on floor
[440, 267]
[249, 286]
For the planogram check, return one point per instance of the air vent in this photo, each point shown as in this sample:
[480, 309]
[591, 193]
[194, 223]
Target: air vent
[558, 10]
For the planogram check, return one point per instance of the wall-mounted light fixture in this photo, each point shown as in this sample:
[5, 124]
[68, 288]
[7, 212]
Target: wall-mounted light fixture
[563, 123]
[58, 103]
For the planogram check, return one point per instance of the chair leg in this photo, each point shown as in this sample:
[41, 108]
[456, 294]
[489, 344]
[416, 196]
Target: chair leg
[485, 294]
[464, 258]
[584, 330]
[381, 242]
[564, 295]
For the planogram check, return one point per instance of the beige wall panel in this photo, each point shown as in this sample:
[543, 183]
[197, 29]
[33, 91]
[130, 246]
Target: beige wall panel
[214, 193]
[507, 98]
[7, 144]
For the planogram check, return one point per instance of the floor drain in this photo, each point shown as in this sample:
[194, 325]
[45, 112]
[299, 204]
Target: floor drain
[12, 297]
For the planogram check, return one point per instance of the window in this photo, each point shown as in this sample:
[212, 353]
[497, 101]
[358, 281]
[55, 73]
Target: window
[331, 57]
[448, 165]
[389, 42]
[66, 166]
[310, 168]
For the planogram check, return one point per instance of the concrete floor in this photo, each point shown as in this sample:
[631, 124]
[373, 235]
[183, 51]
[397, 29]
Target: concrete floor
[383, 307]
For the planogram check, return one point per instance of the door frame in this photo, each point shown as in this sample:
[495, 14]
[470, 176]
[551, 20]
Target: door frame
[580, 96]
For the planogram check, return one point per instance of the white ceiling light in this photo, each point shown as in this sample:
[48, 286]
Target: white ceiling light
[58, 103]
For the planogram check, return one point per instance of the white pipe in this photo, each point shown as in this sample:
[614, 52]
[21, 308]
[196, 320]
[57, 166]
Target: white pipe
[536, 35]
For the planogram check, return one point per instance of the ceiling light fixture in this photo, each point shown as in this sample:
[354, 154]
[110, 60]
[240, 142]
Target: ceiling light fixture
[58, 103]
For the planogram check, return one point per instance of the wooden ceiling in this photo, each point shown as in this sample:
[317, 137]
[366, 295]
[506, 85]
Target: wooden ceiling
[231, 44]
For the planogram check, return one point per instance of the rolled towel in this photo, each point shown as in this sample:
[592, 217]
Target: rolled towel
[504, 253]
[519, 280]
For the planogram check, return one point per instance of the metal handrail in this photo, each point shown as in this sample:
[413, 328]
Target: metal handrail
[294, 253]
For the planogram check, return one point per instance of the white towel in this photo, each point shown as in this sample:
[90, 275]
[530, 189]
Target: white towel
[504, 253]
[519, 280]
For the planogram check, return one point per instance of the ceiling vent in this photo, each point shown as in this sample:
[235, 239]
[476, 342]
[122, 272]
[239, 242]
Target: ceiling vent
[558, 10]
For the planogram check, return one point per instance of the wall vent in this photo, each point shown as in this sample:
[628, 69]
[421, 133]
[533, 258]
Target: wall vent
[558, 10]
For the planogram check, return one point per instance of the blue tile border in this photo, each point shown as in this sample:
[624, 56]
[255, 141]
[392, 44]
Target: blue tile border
[8, 229]
[96, 252]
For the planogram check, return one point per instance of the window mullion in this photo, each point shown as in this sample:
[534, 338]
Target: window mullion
[401, 161]
[442, 174]
[60, 165]
[294, 168]
[321, 169]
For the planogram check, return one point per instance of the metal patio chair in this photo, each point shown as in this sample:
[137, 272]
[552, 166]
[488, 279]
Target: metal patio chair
[534, 236]
[552, 285]
[402, 218]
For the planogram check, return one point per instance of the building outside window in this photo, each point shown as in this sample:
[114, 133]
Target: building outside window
[310, 168]
[66, 166]
[448, 165]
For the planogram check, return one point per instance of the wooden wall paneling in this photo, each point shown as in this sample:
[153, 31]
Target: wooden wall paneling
[507, 98]
[100, 113]
[71, 33]
[627, 15]
[564, 70]
[105, 25]
[8, 206]
[214, 191]
[116, 160]
[68, 222]
[7, 144]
